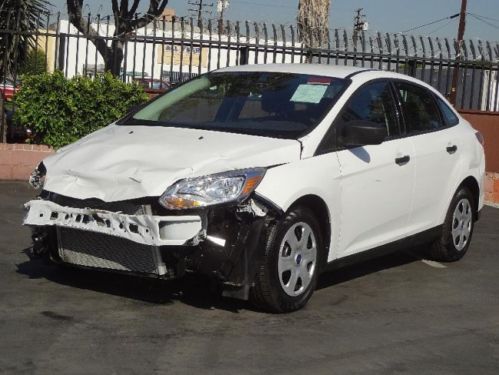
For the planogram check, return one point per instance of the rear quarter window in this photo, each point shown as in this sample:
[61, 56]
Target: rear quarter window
[450, 118]
[421, 113]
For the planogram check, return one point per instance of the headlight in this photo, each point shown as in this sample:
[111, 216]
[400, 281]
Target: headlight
[233, 186]
[37, 177]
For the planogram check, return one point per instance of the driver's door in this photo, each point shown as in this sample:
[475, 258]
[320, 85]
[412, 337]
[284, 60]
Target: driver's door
[376, 183]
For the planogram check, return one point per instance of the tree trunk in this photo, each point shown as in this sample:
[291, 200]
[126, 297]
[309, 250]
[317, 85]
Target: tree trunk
[114, 57]
[313, 23]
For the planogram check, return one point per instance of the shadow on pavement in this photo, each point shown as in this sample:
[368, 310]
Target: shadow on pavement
[194, 290]
[361, 269]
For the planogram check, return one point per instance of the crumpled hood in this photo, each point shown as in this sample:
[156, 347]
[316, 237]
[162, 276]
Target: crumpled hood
[126, 162]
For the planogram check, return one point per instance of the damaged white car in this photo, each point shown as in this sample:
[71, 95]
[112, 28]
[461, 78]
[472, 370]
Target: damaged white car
[263, 176]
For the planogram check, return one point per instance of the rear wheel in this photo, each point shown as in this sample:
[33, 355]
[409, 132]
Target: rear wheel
[287, 273]
[457, 229]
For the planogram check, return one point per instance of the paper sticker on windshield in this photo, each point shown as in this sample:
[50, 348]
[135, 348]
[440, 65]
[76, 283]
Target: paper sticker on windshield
[309, 93]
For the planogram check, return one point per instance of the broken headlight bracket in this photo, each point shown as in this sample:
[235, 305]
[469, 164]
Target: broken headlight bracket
[37, 177]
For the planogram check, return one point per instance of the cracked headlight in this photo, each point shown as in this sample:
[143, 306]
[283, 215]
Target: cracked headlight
[233, 186]
[37, 177]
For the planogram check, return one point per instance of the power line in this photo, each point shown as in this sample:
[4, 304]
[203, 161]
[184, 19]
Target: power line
[484, 21]
[486, 17]
[440, 27]
[432, 23]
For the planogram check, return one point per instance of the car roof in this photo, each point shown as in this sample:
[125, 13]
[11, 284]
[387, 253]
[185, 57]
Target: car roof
[337, 71]
[312, 69]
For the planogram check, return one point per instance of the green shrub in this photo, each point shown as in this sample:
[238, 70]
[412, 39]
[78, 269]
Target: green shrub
[35, 63]
[61, 111]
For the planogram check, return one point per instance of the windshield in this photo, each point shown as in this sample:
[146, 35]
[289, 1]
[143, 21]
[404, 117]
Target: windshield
[282, 105]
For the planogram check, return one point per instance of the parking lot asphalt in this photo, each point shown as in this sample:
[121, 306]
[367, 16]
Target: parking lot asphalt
[397, 314]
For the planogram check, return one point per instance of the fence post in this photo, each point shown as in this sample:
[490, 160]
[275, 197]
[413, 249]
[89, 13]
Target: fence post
[244, 56]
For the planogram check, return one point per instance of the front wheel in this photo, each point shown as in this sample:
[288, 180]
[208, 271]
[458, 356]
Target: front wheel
[457, 229]
[287, 273]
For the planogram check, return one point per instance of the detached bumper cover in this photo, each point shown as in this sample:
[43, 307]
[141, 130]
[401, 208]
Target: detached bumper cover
[149, 230]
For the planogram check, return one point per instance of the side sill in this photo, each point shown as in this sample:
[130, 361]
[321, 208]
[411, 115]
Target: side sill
[418, 239]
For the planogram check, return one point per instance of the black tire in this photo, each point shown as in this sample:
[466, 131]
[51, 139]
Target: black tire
[445, 249]
[268, 294]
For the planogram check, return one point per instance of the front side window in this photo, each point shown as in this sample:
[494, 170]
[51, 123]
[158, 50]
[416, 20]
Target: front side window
[282, 105]
[374, 103]
[420, 111]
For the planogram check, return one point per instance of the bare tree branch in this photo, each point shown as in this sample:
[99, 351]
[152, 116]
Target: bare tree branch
[124, 22]
[133, 9]
[84, 27]
[154, 11]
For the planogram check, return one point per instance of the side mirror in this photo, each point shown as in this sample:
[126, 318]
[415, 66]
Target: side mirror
[361, 133]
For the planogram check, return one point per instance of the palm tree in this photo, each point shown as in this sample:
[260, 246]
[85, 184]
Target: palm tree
[313, 22]
[19, 21]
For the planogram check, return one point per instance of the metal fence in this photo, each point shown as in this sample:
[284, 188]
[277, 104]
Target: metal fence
[175, 49]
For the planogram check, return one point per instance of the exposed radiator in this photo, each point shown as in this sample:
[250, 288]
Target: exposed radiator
[90, 249]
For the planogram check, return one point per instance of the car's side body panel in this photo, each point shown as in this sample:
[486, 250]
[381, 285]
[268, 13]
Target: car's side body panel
[375, 195]
[368, 213]
[318, 176]
[470, 163]
[439, 172]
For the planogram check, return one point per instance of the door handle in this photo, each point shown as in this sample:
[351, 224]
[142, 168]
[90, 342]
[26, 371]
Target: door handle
[402, 160]
[451, 149]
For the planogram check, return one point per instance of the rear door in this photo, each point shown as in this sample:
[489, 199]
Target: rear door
[376, 182]
[436, 146]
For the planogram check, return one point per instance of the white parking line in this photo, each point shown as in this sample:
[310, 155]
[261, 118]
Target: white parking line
[433, 264]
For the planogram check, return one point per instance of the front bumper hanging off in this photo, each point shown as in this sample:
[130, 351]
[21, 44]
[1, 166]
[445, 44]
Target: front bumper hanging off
[149, 230]
[221, 242]
[113, 240]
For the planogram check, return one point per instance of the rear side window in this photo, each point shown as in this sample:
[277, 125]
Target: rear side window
[373, 102]
[448, 114]
[420, 110]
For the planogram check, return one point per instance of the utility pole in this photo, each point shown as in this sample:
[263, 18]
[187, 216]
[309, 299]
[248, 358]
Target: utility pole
[359, 23]
[198, 9]
[460, 39]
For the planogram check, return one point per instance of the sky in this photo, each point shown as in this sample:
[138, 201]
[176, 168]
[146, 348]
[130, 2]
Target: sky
[382, 15]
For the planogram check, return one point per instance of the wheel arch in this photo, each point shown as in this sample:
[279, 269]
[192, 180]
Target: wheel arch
[471, 183]
[321, 211]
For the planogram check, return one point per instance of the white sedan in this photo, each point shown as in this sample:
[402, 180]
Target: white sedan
[262, 177]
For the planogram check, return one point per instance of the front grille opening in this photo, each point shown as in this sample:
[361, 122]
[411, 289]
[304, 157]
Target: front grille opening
[97, 250]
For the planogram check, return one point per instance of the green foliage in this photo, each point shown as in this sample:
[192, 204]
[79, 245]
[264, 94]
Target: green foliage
[35, 63]
[61, 111]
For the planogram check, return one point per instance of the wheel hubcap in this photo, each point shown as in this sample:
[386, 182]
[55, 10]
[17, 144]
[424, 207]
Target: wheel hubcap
[462, 221]
[297, 259]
